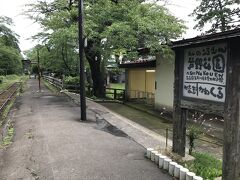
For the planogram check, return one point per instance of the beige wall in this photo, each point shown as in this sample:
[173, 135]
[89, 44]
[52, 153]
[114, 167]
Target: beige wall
[137, 79]
[165, 80]
[140, 80]
[150, 81]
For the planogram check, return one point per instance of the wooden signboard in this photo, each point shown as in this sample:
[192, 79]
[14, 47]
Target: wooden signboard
[207, 79]
[204, 73]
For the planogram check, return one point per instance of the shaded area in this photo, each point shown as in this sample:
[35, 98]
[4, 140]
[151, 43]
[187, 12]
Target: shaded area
[159, 125]
[107, 127]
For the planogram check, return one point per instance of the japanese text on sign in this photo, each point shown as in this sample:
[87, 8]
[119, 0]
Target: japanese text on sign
[204, 75]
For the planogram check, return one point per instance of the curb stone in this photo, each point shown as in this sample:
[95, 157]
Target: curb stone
[171, 167]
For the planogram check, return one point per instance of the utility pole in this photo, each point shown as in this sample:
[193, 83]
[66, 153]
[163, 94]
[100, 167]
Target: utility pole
[39, 78]
[81, 61]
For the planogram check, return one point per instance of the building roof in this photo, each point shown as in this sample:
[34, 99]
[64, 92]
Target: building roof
[139, 63]
[207, 38]
[144, 60]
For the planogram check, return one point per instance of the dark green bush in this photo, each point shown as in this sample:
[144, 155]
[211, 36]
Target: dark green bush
[69, 80]
[205, 166]
[1, 79]
[194, 132]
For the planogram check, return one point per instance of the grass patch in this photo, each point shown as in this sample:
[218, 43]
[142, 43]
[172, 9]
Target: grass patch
[7, 140]
[5, 113]
[110, 94]
[13, 78]
[205, 166]
[6, 81]
[50, 86]
[117, 85]
[119, 93]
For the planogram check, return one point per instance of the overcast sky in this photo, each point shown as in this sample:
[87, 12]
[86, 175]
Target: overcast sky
[23, 27]
[26, 28]
[182, 9]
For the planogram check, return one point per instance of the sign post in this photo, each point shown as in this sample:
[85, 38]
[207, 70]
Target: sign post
[231, 148]
[207, 79]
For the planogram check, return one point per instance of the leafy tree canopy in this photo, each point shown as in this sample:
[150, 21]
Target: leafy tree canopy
[112, 27]
[221, 14]
[10, 57]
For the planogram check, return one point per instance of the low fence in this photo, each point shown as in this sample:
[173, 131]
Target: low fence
[141, 96]
[118, 94]
[111, 93]
[57, 82]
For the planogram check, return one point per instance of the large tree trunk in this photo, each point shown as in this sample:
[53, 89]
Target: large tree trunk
[93, 56]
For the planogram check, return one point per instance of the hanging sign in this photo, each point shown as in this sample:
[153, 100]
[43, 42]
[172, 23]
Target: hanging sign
[204, 75]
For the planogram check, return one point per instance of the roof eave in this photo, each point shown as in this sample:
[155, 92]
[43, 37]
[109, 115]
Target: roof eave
[207, 38]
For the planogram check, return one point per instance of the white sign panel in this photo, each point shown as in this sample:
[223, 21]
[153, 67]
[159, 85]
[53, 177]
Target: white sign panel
[204, 75]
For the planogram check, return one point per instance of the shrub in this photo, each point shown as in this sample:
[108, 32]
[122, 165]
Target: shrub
[69, 80]
[1, 79]
[205, 166]
[194, 132]
[12, 77]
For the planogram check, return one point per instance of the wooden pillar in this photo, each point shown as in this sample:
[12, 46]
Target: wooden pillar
[179, 114]
[127, 92]
[231, 149]
[114, 94]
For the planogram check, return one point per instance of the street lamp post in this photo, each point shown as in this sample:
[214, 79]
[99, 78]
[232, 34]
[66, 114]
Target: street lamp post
[81, 61]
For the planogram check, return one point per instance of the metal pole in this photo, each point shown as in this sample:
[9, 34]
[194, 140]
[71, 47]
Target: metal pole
[166, 139]
[39, 80]
[81, 61]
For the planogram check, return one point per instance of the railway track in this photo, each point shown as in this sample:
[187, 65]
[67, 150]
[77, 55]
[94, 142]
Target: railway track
[7, 95]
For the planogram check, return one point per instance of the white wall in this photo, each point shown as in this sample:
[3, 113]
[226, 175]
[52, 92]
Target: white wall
[165, 80]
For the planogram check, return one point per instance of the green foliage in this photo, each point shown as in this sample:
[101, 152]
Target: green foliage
[117, 85]
[111, 27]
[10, 60]
[205, 166]
[129, 25]
[7, 140]
[12, 77]
[58, 52]
[10, 57]
[8, 37]
[1, 79]
[8, 80]
[50, 87]
[69, 80]
[222, 14]
[194, 132]
[34, 69]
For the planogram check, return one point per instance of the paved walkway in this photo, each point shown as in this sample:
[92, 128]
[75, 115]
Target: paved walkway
[137, 132]
[51, 143]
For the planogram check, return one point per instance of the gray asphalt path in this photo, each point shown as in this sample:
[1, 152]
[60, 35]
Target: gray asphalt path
[50, 143]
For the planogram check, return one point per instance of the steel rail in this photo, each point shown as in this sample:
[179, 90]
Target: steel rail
[9, 93]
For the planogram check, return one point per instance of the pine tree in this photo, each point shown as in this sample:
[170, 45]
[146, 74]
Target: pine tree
[223, 15]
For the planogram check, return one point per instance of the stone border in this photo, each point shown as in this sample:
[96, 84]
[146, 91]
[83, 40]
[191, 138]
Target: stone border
[173, 168]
